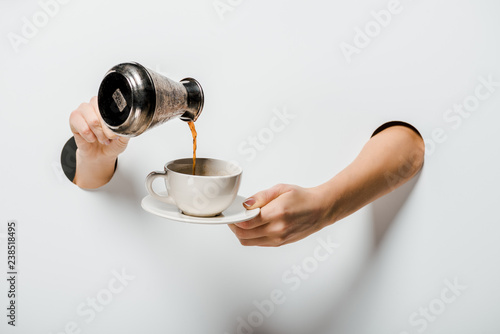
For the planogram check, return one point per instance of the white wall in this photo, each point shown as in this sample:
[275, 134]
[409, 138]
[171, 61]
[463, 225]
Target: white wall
[394, 255]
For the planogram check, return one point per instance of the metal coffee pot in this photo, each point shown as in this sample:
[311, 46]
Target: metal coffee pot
[133, 99]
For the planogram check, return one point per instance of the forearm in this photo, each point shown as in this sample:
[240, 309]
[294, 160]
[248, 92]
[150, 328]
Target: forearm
[387, 161]
[93, 173]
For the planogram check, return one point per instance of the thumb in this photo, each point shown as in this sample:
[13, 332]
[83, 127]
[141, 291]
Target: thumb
[262, 198]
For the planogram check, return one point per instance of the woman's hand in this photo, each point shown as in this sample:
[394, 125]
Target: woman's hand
[288, 213]
[98, 147]
[93, 138]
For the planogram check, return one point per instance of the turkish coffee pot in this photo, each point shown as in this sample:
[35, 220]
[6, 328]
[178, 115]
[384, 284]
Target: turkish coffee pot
[133, 99]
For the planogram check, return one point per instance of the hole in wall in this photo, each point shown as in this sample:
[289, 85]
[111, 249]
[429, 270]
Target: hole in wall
[68, 158]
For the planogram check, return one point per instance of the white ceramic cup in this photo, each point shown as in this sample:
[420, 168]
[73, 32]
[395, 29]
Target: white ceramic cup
[206, 194]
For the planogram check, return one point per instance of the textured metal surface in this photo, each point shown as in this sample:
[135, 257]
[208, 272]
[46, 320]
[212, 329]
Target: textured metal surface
[134, 99]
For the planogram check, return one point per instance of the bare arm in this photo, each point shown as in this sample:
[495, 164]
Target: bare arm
[387, 161]
[290, 213]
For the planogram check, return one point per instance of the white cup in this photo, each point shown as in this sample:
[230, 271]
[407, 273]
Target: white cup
[206, 194]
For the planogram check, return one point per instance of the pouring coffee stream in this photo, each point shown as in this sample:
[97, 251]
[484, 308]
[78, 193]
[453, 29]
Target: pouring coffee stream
[133, 99]
[195, 136]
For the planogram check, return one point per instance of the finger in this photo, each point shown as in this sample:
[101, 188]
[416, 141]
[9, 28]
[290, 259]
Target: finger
[92, 119]
[271, 240]
[272, 229]
[107, 131]
[262, 198]
[268, 213]
[246, 234]
[252, 223]
[80, 128]
[262, 242]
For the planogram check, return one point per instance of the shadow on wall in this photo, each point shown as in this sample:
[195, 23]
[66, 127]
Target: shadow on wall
[122, 190]
[384, 211]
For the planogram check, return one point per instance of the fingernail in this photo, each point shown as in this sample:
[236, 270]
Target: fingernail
[249, 202]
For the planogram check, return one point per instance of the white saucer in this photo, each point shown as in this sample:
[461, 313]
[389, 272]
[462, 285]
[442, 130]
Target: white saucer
[236, 213]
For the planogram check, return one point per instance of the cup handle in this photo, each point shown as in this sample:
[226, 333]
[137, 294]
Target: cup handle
[149, 186]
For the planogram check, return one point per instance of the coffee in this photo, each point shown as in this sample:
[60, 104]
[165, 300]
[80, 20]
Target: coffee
[202, 169]
[195, 135]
